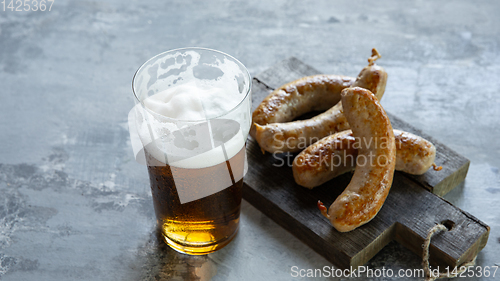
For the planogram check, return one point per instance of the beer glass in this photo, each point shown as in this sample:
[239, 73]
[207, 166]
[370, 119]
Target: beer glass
[193, 115]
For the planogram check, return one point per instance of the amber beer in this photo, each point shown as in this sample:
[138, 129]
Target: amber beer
[200, 226]
[192, 118]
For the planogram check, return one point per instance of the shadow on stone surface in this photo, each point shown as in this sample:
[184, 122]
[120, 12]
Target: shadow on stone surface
[157, 261]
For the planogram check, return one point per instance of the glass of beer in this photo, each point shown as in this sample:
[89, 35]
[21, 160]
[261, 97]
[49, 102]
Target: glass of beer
[193, 115]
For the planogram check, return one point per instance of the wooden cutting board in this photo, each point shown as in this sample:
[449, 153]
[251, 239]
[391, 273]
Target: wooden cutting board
[411, 209]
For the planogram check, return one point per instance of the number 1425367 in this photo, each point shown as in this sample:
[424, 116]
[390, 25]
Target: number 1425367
[27, 5]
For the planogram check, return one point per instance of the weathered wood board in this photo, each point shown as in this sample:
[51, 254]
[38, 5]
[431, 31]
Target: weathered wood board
[408, 213]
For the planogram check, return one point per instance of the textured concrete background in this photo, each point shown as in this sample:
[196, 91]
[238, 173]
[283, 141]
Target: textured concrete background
[74, 205]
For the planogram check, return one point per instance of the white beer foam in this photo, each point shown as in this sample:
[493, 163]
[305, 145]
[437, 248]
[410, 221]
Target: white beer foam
[180, 102]
[189, 102]
[186, 102]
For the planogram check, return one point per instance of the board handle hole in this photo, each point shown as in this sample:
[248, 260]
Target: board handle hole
[448, 224]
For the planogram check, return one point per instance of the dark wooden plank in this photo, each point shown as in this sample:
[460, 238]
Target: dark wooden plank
[286, 70]
[259, 91]
[455, 166]
[409, 212]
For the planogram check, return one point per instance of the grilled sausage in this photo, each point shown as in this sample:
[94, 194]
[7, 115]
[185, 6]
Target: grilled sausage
[372, 180]
[297, 135]
[311, 93]
[336, 154]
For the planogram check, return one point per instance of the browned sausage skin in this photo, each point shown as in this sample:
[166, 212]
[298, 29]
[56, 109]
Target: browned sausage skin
[336, 154]
[311, 93]
[297, 135]
[372, 180]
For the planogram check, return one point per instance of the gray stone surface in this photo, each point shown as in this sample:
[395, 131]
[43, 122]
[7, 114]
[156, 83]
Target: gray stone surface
[74, 205]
